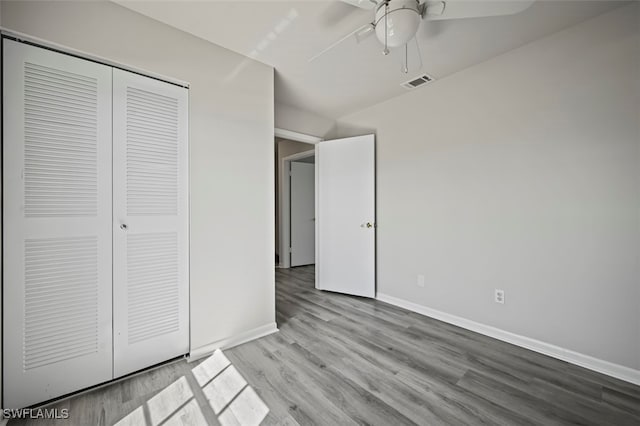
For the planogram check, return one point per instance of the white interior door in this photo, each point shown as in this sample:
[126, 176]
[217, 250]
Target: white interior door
[150, 222]
[57, 224]
[346, 215]
[303, 228]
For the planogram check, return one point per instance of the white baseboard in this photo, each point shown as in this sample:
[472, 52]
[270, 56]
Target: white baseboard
[230, 342]
[605, 367]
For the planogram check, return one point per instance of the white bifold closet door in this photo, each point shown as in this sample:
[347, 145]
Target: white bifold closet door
[57, 223]
[150, 222]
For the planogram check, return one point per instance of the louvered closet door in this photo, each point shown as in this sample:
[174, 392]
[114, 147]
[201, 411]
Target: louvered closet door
[57, 224]
[151, 211]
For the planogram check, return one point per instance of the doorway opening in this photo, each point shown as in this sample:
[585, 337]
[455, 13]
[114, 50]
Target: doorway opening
[298, 210]
[326, 211]
[295, 198]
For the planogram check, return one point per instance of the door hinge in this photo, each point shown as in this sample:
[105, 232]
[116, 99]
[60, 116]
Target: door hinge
[290, 250]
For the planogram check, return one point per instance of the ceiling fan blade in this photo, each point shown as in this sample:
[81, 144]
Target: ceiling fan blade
[362, 4]
[364, 32]
[459, 9]
[336, 12]
[359, 34]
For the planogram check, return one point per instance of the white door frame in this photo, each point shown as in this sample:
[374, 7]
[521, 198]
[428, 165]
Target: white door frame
[283, 192]
[285, 204]
[296, 136]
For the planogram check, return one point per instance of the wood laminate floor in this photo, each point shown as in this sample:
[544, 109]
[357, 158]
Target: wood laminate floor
[341, 360]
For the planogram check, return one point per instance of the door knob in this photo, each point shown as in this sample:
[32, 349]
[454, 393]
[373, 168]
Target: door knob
[369, 225]
[123, 226]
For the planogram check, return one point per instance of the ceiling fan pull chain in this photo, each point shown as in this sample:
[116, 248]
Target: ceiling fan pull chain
[406, 58]
[386, 28]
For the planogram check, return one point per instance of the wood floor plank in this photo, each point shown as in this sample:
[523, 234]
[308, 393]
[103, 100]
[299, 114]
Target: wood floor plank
[360, 405]
[541, 412]
[281, 385]
[622, 400]
[581, 404]
[342, 360]
[378, 381]
[472, 408]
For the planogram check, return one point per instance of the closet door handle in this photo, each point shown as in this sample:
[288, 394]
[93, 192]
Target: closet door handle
[123, 226]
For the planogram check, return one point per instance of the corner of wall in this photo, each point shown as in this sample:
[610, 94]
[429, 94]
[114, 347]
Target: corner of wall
[299, 120]
[595, 364]
[230, 342]
[344, 129]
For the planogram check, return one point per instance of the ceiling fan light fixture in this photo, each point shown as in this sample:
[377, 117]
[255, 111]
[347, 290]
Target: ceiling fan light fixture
[398, 20]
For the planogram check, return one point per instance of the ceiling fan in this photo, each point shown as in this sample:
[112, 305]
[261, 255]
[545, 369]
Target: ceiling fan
[396, 22]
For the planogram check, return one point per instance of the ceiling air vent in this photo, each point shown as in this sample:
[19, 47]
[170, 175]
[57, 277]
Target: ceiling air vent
[417, 82]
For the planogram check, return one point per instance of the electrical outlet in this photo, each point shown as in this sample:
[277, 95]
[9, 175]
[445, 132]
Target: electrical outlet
[420, 281]
[498, 296]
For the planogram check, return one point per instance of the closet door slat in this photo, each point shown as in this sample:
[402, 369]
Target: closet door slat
[151, 277]
[57, 224]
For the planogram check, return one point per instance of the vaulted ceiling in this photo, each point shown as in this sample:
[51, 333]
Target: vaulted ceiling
[352, 76]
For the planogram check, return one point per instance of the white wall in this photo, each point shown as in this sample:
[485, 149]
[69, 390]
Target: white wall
[521, 173]
[301, 121]
[231, 141]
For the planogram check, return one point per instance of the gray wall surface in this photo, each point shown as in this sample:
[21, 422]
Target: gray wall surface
[521, 173]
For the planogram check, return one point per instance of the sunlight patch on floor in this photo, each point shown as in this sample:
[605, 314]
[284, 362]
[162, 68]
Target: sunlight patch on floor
[134, 418]
[246, 409]
[229, 395]
[189, 414]
[224, 388]
[169, 400]
[220, 384]
[210, 368]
